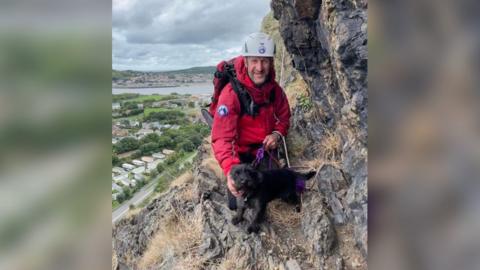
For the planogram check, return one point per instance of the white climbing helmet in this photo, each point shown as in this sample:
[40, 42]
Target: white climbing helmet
[259, 44]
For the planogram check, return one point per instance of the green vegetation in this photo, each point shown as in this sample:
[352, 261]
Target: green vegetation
[171, 117]
[128, 192]
[120, 97]
[115, 160]
[148, 111]
[173, 171]
[305, 102]
[125, 145]
[183, 138]
[153, 98]
[115, 204]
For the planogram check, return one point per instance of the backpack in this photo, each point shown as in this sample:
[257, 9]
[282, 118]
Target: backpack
[224, 74]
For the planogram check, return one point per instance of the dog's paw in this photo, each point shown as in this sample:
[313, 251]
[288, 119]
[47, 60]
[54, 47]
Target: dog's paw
[236, 220]
[253, 228]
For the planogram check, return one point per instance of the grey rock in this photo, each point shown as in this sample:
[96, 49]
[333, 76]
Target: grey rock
[292, 265]
[327, 41]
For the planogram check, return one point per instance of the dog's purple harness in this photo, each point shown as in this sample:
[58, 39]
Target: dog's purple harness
[300, 185]
[299, 182]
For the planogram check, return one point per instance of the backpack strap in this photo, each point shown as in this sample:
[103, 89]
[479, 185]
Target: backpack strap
[246, 102]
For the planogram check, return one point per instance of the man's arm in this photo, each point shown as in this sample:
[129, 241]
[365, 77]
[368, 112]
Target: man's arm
[224, 130]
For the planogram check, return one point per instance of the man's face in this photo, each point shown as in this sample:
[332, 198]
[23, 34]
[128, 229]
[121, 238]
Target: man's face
[258, 68]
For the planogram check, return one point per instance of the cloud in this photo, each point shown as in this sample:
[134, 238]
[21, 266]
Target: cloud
[161, 35]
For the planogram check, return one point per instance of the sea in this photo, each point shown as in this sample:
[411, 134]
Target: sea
[194, 89]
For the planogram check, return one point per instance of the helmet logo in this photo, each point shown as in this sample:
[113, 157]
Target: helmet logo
[262, 48]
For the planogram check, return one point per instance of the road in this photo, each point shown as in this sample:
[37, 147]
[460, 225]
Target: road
[141, 195]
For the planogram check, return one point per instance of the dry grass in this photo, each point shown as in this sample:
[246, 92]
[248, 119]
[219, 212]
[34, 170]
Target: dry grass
[329, 146]
[283, 214]
[296, 144]
[133, 212]
[179, 235]
[212, 165]
[235, 259]
[187, 192]
[182, 179]
[229, 263]
[114, 260]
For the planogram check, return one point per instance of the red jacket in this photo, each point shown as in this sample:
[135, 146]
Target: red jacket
[232, 133]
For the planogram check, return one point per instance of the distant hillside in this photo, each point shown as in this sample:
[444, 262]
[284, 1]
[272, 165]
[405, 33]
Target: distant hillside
[125, 74]
[193, 70]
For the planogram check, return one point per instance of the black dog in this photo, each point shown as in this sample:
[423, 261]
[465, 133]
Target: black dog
[261, 187]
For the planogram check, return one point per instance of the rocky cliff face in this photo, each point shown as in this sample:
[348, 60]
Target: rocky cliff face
[189, 227]
[323, 58]
[327, 41]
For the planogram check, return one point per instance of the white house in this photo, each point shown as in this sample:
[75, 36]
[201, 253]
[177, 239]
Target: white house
[118, 170]
[122, 179]
[134, 123]
[146, 125]
[116, 187]
[138, 170]
[143, 132]
[147, 159]
[155, 125]
[153, 164]
[151, 125]
[139, 177]
[137, 162]
[128, 166]
[167, 152]
[158, 156]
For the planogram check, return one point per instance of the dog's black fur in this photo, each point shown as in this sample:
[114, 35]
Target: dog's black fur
[261, 187]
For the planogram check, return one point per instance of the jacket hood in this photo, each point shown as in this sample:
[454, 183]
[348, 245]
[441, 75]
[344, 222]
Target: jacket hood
[260, 94]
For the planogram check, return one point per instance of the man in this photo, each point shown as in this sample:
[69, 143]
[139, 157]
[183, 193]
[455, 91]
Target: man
[236, 136]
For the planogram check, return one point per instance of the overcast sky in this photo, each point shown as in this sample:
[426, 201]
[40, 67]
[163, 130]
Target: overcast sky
[177, 34]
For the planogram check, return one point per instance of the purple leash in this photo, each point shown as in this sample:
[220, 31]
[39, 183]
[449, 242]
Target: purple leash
[259, 156]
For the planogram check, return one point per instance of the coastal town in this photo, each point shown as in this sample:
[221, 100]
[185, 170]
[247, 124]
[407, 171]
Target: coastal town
[152, 135]
[151, 79]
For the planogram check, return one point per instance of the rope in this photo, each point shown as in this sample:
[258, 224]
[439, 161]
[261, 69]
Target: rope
[286, 151]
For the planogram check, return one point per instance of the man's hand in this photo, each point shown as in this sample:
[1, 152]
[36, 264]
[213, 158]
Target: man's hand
[231, 186]
[271, 141]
